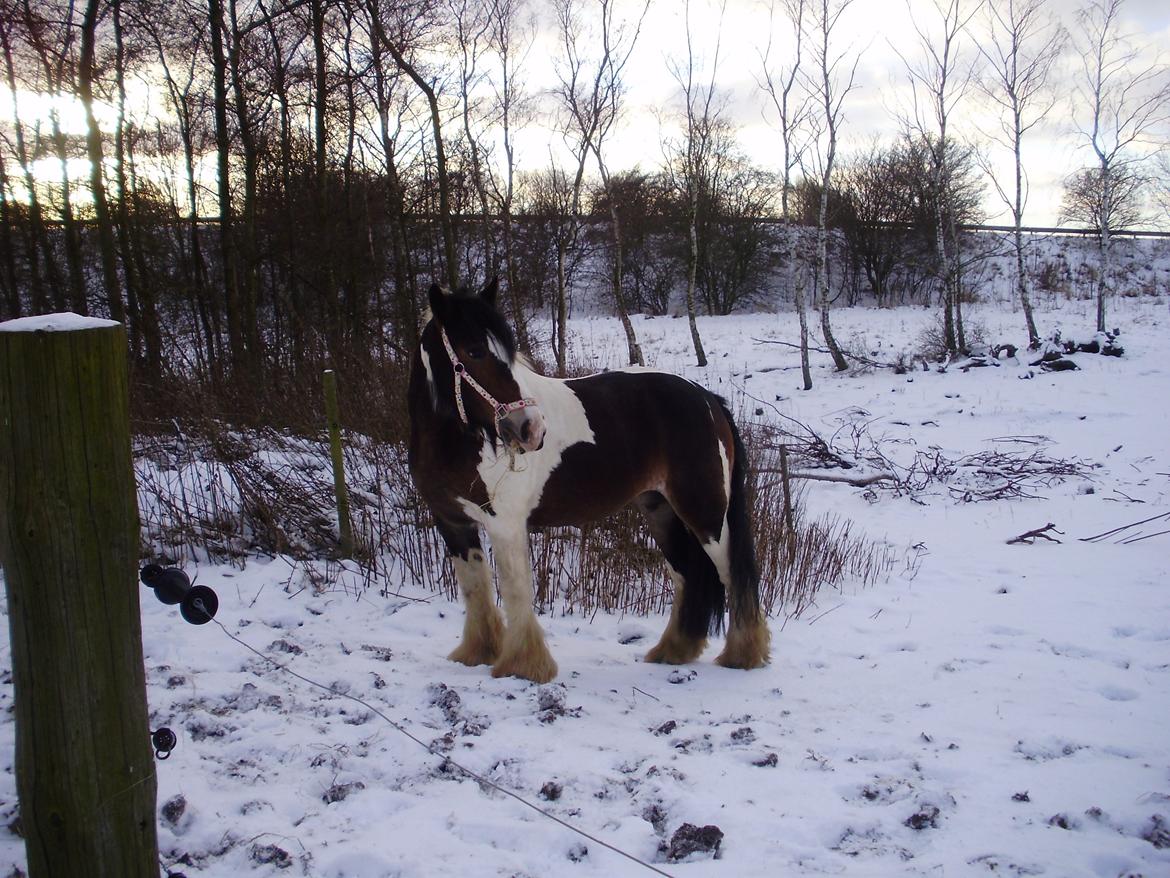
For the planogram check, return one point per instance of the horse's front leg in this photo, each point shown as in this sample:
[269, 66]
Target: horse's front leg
[483, 630]
[524, 651]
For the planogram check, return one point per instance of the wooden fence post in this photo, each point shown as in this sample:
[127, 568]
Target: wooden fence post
[69, 545]
[333, 420]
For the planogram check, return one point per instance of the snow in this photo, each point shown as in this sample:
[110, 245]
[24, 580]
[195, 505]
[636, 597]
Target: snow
[990, 709]
[64, 321]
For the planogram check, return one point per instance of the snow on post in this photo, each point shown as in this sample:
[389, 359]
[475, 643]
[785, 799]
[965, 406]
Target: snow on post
[69, 547]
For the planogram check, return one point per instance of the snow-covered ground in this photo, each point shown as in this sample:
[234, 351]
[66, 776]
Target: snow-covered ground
[990, 709]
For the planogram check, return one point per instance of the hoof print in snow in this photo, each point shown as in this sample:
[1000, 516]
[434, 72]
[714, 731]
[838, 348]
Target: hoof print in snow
[743, 735]
[689, 839]
[925, 817]
[271, 855]
[1062, 821]
[666, 728]
[174, 813]
[1158, 832]
[341, 791]
[447, 700]
[655, 816]
[771, 760]
[578, 852]
[679, 676]
[551, 791]
[550, 703]
[1021, 797]
[286, 647]
[379, 653]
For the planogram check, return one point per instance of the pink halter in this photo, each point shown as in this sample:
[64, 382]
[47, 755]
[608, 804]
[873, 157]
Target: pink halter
[502, 410]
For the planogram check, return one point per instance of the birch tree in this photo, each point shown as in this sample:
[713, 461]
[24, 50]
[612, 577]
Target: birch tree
[1120, 104]
[510, 34]
[689, 168]
[590, 91]
[778, 80]
[940, 79]
[831, 78]
[1021, 47]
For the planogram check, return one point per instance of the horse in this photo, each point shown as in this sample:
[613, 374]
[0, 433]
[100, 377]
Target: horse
[498, 446]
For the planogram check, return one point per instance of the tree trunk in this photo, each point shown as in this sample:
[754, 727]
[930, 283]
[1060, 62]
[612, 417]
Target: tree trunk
[1022, 288]
[798, 301]
[223, 158]
[700, 354]
[69, 545]
[93, 148]
[561, 342]
[822, 274]
[633, 349]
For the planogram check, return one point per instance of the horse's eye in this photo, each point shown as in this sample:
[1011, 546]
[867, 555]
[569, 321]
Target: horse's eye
[477, 351]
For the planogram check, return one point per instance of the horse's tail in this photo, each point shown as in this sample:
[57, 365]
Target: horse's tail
[744, 588]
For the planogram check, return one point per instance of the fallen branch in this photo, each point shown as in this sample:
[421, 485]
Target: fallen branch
[855, 481]
[865, 361]
[1031, 536]
[1116, 530]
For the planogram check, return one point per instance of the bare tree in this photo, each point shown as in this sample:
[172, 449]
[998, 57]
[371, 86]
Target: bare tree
[831, 78]
[86, 74]
[939, 80]
[702, 113]
[590, 93]
[510, 36]
[1114, 200]
[1161, 184]
[470, 19]
[427, 87]
[1022, 44]
[1121, 100]
[778, 80]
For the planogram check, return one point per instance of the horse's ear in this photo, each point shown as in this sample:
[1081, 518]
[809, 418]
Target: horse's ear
[438, 301]
[488, 293]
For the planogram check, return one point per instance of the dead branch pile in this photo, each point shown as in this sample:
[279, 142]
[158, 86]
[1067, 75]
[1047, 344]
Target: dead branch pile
[1014, 468]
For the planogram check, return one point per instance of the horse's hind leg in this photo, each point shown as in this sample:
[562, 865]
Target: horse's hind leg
[483, 629]
[685, 636]
[707, 518]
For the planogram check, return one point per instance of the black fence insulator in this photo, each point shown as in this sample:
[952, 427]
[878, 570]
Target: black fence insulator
[197, 603]
[164, 742]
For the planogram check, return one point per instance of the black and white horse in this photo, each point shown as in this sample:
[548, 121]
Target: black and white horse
[495, 445]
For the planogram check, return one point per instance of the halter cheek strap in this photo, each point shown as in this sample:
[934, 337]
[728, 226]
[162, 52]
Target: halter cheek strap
[502, 410]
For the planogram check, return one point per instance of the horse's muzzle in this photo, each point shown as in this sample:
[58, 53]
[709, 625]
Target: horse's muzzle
[523, 429]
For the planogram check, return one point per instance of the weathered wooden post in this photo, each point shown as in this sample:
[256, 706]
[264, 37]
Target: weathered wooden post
[333, 420]
[69, 546]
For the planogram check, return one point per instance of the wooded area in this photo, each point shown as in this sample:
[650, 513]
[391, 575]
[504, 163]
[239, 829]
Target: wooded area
[359, 149]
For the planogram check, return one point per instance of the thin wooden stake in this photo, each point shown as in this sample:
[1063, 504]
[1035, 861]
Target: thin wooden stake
[333, 419]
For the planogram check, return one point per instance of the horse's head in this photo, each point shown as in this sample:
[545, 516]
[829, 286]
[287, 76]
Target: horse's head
[470, 357]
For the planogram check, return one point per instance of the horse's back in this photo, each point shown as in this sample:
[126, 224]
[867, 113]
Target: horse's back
[650, 430]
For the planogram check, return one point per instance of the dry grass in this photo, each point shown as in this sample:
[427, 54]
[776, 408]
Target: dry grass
[210, 492]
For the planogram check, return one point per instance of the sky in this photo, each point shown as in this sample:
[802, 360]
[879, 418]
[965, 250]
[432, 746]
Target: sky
[880, 33]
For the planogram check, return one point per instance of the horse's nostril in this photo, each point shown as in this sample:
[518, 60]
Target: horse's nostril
[525, 431]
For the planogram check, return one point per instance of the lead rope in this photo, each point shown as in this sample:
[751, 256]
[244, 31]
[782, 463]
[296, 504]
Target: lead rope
[476, 776]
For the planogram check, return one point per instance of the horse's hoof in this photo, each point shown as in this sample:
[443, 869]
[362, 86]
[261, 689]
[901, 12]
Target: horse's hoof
[541, 670]
[676, 651]
[466, 654]
[747, 648]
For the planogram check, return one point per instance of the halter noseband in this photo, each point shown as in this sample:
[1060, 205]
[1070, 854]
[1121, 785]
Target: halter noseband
[501, 409]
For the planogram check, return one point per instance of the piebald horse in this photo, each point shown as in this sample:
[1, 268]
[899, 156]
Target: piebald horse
[497, 446]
